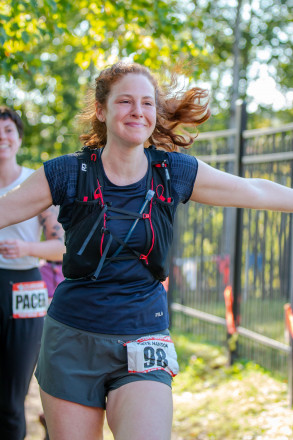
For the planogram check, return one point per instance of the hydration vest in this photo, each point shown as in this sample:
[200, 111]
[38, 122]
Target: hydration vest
[86, 245]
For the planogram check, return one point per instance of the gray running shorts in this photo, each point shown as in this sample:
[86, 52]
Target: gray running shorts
[83, 367]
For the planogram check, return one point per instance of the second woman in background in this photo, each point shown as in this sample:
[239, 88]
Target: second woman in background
[23, 299]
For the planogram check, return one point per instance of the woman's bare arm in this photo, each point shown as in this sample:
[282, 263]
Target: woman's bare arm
[217, 188]
[35, 193]
[29, 199]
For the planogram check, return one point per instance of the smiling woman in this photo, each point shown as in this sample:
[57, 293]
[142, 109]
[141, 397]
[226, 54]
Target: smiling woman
[106, 343]
[191, 108]
[11, 132]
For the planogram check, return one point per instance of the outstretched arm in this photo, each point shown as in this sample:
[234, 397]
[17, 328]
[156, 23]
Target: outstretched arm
[217, 188]
[29, 199]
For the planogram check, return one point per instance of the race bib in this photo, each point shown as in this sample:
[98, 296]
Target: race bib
[29, 299]
[150, 353]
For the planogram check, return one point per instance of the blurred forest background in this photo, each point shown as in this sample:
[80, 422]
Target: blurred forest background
[51, 51]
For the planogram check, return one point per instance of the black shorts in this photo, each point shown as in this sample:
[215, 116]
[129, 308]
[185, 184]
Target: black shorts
[82, 367]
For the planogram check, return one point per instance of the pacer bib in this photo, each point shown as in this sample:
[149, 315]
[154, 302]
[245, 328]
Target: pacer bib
[29, 299]
[151, 353]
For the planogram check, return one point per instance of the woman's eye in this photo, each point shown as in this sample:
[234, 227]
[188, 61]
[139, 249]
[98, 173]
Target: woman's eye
[125, 101]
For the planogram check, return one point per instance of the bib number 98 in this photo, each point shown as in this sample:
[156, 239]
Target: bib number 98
[154, 357]
[150, 353]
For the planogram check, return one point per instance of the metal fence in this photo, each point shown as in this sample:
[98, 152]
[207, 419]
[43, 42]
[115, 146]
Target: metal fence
[249, 249]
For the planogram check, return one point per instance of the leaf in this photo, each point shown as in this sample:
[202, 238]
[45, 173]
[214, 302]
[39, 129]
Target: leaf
[25, 36]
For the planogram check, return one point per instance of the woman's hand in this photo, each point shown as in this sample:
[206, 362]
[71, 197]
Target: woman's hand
[52, 248]
[11, 249]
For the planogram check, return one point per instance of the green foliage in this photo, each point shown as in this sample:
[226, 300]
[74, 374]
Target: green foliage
[213, 401]
[51, 49]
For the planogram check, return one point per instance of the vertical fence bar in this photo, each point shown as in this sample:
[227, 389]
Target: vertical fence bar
[237, 251]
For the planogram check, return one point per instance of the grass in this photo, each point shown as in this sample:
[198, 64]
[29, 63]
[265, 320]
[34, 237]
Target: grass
[215, 401]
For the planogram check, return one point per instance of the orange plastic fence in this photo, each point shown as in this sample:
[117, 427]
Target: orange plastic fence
[289, 318]
[228, 295]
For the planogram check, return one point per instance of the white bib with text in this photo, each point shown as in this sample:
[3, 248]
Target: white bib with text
[29, 299]
[150, 353]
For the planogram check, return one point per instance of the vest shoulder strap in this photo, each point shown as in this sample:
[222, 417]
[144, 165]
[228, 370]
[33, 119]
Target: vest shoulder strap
[89, 174]
[157, 155]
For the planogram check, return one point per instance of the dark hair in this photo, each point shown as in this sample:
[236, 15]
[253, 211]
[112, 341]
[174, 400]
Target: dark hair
[8, 113]
[185, 109]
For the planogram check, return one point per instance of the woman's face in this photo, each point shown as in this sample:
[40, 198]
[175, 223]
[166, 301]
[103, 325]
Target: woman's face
[9, 139]
[130, 113]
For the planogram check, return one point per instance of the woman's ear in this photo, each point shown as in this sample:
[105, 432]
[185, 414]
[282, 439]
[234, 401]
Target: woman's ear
[100, 112]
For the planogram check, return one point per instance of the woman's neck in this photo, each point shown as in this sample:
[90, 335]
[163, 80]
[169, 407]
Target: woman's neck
[9, 172]
[124, 166]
